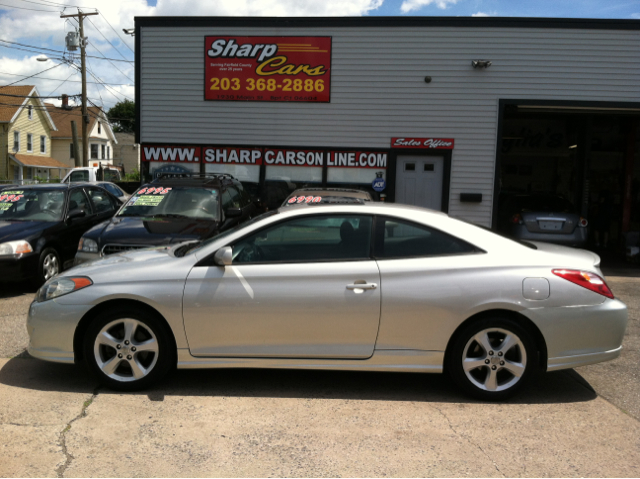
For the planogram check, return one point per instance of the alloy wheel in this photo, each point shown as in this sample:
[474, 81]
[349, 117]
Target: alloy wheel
[50, 266]
[494, 359]
[126, 350]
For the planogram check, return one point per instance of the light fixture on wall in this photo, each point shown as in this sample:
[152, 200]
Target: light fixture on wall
[573, 146]
[480, 63]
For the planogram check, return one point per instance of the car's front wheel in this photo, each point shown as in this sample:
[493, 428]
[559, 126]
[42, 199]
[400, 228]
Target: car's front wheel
[128, 349]
[492, 358]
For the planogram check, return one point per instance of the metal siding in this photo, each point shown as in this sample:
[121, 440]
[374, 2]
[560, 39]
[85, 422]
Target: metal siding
[378, 90]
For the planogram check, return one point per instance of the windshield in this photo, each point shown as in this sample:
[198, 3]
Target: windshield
[174, 202]
[197, 246]
[31, 205]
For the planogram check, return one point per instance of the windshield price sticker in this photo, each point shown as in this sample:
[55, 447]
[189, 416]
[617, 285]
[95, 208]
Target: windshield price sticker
[11, 198]
[146, 200]
[304, 199]
[5, 206]
[154, 191]
[296, 69]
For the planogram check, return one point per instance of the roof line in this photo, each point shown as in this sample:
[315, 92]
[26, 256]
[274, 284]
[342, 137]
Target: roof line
[371, 21]
[42, 104]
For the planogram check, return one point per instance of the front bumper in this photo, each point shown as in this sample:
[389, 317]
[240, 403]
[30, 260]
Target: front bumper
[51, 327]
[580, 335]
[82, 257]
[17, 268]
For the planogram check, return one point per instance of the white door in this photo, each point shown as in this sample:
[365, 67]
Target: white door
[419, 181]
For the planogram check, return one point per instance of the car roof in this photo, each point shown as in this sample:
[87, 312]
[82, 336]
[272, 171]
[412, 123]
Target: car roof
[342, 192]
[48, 186]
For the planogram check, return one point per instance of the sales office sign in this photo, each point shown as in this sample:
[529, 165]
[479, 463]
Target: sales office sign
[294, 69]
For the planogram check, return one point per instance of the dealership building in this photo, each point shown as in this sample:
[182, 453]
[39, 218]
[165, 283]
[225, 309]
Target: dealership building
[448, 113]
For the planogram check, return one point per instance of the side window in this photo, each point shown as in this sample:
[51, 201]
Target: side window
[308, 239]
[402, 239]
[113, 189]
[226, 200]
[77, 199]
[245, 197]
[231, 198]
[82, 175]
[101, 201]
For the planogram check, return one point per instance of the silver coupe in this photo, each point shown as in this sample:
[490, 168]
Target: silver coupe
[366, 287]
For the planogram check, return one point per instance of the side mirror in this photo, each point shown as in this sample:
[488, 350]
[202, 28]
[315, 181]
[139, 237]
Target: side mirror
[77, 213]
[233, 212]
[224, 256]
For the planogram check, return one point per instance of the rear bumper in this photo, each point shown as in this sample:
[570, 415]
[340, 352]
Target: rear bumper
[581, 335]
[577, 238]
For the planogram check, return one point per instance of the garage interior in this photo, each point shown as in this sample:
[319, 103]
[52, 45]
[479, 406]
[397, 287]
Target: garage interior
[587, 155]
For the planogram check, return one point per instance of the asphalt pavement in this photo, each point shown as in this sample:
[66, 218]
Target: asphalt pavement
[55, 421]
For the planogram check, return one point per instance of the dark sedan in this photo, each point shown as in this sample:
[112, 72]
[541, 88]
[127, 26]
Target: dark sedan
[40, 226]
[168, 211]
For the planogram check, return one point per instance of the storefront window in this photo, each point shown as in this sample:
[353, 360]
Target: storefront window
[357, 178]
[282, 180]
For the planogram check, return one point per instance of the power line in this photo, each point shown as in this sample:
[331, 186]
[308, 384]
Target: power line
[48, 3]
[31, 9]
[62, 83]
[93, 45]
[58, 52]
[108, 87]
[73, 81]
[54, 66]
[114, 31]
[114, 47]
[38, 96]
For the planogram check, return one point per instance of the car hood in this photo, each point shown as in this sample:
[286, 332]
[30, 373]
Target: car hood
[17, 230]
[566, 256]
[156, 231]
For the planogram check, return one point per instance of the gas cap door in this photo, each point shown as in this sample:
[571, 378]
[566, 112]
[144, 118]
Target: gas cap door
[535, 288]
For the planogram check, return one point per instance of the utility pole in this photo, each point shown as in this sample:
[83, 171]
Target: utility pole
[85, 115]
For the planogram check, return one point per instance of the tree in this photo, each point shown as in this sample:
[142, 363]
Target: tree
[123, 116]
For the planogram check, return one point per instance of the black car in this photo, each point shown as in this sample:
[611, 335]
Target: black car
[170, 210]
[40, 226]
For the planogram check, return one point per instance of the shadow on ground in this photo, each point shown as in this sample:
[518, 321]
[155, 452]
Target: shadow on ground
[558, 387]
[10, 290]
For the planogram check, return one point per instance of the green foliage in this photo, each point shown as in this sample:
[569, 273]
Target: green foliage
[123, 116]
[132, 176]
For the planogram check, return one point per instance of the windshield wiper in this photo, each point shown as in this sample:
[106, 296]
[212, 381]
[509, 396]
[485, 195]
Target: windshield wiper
[168, 215]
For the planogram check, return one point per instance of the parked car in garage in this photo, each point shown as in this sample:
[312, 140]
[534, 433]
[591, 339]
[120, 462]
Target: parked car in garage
[314, 196]
[170, 210]
[40, 226]
[542, 217]
[346, 287]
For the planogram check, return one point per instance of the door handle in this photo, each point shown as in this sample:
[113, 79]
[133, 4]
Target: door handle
[362, 286]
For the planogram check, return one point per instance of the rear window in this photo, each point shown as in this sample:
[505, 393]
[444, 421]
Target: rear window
[543, 203]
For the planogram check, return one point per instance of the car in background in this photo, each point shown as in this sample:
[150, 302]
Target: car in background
[169, 210]
[345, 287]
[114, 189]
[7, 186]
[92, 173]
[542, 217]
[40, 226]
[308, 196]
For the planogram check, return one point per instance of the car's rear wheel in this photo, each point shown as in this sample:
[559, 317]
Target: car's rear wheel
[128, 350]
[492, 359]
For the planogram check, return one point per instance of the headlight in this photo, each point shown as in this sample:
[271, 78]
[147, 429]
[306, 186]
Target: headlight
[61, 286]
[15, 248]
[88, 245]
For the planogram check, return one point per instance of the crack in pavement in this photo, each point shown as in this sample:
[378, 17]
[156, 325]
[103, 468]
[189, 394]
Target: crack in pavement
[63, 434]
[467, 439]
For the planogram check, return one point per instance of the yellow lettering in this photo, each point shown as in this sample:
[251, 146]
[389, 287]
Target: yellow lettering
[290, 69]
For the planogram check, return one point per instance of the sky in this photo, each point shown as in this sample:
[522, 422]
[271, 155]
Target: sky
[31, 28]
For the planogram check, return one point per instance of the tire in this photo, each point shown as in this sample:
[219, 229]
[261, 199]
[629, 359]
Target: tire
[49, 265]
[128, 349]
[479, 364]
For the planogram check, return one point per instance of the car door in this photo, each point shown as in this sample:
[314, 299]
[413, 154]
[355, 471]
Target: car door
[75, 227]
[104, 206]
[305, 287]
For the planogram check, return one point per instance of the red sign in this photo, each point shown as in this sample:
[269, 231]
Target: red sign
[423, 143]
[294, 69]
[172, 154]
[357, 159]
[240, 156]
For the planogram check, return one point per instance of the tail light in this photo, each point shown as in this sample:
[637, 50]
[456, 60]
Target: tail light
[590, 281]
[516, 219]
[583, 222]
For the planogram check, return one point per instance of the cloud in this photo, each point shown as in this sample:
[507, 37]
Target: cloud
[635, 15]
[43, 28]
[480, 14]
[411, 5]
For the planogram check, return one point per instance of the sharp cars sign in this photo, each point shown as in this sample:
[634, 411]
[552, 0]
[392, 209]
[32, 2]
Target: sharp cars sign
[294, 69]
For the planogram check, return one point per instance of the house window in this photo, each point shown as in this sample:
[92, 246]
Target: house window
[71, 155]
[103, 155]
[94, 152]
[30, 112]
[16, 141]
[99, 128]
[108, 152]
[29, 142]
[29, 173]
[43, 144]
